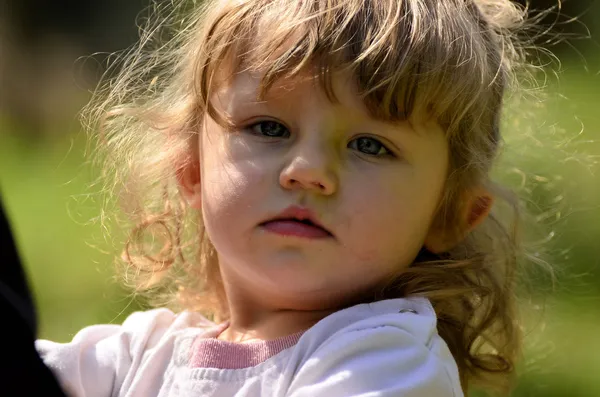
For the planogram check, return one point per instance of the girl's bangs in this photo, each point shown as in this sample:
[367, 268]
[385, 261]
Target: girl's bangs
[406, 58]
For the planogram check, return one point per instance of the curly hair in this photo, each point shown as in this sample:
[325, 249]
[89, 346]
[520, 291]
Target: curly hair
[453, 59]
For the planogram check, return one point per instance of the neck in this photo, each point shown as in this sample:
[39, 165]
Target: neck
[270, 315]
[270, 325]
[265, 319]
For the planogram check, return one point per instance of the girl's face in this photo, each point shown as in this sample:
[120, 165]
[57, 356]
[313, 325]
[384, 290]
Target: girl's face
[297, 160]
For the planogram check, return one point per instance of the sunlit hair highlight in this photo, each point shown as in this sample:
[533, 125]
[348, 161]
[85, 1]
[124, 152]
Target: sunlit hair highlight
[450, 60]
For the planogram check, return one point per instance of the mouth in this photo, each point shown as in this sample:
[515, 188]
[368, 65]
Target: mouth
[297, 222]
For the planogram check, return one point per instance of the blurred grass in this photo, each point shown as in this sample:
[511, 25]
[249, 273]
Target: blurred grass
[45, 185]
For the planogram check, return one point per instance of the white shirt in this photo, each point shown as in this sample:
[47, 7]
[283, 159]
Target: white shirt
[384, 349]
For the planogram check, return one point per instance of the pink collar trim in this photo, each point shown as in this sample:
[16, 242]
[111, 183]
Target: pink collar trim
[210, 352]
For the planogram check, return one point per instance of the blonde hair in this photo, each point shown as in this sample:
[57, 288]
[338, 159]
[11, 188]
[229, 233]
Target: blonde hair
[451, 59]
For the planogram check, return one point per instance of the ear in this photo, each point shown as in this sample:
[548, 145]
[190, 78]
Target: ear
[188, 179]
[478, 205]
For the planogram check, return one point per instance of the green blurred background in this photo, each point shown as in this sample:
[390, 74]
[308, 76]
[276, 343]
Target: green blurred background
[46, 182]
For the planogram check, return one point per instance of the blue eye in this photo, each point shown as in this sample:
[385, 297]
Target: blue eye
[369, 146]
[270, 129]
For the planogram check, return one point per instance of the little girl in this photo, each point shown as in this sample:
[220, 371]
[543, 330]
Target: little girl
[313, 177]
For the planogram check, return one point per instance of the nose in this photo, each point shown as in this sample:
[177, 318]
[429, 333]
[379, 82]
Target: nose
[310, 170]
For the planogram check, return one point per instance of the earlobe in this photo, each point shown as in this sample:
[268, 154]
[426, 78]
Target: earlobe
[436, 242]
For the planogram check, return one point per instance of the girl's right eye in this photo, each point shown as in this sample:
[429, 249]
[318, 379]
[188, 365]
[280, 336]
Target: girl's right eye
[270, 129]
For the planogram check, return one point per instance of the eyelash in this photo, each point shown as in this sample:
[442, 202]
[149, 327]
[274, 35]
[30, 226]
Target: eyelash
[388, 153]
[252, 130]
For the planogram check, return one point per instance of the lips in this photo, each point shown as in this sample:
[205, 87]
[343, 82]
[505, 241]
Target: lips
[297, 222]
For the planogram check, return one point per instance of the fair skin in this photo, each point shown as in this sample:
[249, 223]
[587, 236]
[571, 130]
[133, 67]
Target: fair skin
[374, 186]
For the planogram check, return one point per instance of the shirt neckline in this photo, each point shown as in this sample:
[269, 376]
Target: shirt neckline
[209, 352]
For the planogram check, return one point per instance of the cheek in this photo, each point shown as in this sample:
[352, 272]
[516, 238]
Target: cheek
[232, 182]
[387, 222]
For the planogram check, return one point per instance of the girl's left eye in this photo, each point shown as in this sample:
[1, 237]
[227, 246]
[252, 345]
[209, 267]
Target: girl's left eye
[369, 146]
[269, 128]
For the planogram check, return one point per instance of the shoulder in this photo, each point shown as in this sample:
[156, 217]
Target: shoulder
[389, 347]
[139, 330]
[99, 357]
[146, 329]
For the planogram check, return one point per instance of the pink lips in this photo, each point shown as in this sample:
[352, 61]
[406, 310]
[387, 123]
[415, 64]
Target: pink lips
[297, 222]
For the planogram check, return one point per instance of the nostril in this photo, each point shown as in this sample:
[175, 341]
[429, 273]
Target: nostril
[289, 182]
